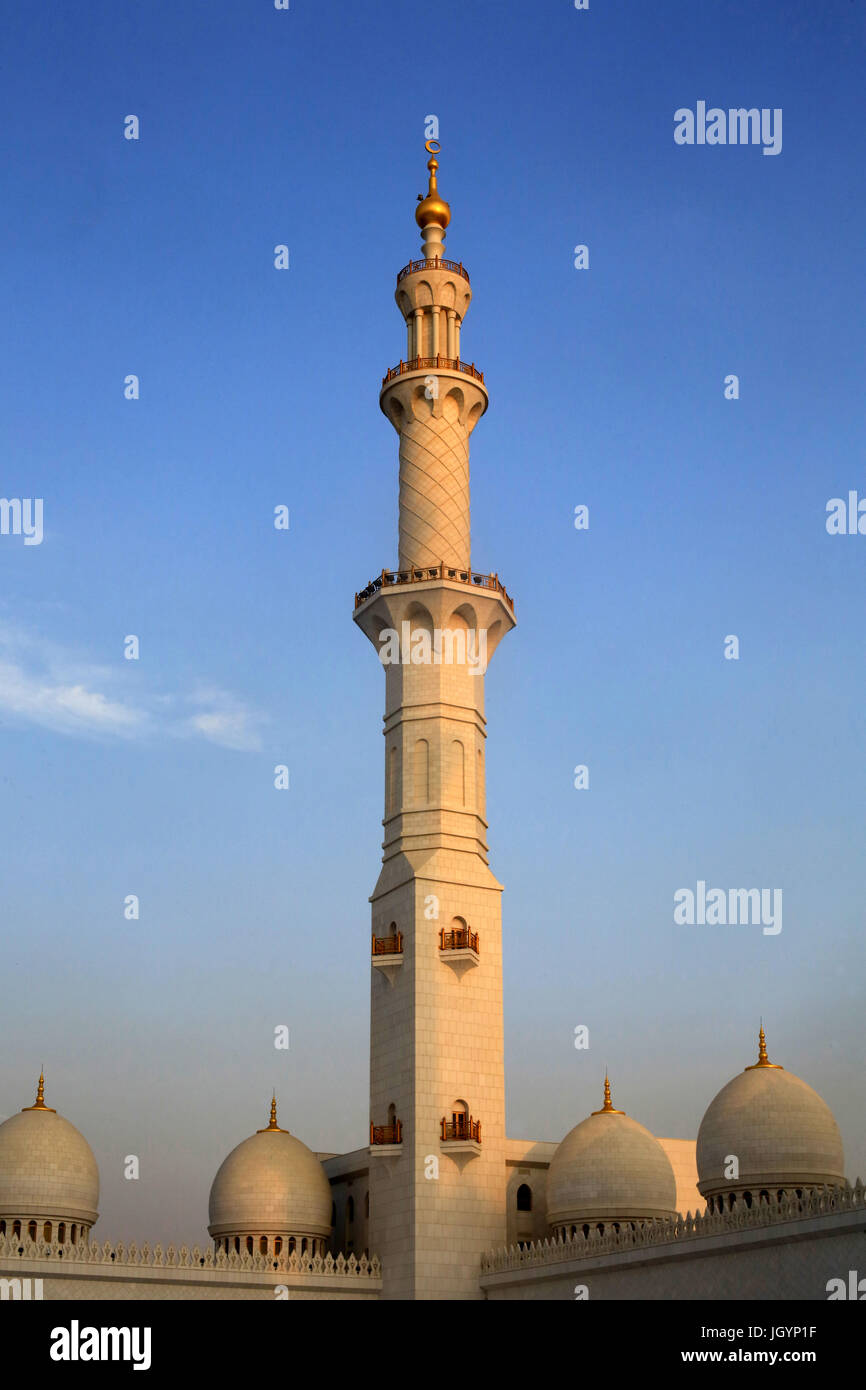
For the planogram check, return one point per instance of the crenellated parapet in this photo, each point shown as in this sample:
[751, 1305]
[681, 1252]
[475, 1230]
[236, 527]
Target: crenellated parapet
[130, 1256]
[769, 1211]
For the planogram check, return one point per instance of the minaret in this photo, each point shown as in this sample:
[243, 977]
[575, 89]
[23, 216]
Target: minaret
[437, 1085]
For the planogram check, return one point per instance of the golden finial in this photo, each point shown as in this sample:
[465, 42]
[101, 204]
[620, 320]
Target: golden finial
[433, 208]
[40, 1098]
[273, 1126]
[763, 1059]
[607, 1108]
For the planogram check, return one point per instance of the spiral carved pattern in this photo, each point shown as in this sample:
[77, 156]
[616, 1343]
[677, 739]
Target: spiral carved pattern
[434, 493]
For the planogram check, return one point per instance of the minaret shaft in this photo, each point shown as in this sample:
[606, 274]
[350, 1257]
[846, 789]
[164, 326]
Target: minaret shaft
[437, 1178]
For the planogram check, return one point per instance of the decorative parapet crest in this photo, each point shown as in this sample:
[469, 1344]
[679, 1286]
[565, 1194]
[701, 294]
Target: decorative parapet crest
[131, 1257]
[815, 1201]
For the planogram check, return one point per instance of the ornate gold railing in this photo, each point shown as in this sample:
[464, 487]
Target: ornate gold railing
[461, 939]
[387, 945]
[423, 364]
[461, 1127]
[433, 263]
[440, 571]
[387, 1134]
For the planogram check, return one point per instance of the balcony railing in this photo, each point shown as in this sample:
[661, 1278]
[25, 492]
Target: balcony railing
[433, 263]
[387, 1134]
[388, 945]
[461, 939]
[423, 364]
[441, 571]
[461, 1127]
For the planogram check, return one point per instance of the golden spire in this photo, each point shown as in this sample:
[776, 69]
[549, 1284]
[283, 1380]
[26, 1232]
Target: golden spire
[763, 1059]
[433, 208]
[40, 1098]
[607, 1108]
[273, 1126]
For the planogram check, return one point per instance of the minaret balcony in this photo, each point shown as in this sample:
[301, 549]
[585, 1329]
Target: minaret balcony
[389, 578]
[386, 1141]
[460, 1138]
[388, 955]
[461, 939]
[459, 949]
[432, 364]
[433, 263]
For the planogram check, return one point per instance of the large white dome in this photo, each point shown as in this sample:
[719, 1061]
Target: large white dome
[271, 1184]
[47, 1169]
[609, 1168]
[782, 1134]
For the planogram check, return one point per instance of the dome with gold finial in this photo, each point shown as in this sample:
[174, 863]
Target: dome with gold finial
[608, 1169]
[780, 1132]
[49, 1181]
[433, 209]
[271, 1196]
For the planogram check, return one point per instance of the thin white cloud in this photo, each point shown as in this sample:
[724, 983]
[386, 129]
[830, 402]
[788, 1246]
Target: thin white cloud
[43, 684]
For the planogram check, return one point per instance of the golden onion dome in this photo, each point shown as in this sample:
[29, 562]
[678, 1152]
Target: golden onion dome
[433, 208]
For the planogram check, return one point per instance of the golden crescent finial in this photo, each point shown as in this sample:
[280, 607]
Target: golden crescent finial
[428, 145]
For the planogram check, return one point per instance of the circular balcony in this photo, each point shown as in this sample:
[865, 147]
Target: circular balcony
[433, 263]
[419, 576]
[432, 364]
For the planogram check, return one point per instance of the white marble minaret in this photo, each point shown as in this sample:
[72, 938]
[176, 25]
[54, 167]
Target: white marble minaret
[437, 1083]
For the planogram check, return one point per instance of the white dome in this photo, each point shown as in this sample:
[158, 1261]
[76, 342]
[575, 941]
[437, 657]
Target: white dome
[609, 1168]
[47, 1169]
[271, 1184]
[780, 1131]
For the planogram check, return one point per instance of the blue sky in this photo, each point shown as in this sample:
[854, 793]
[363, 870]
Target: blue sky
[259, 387]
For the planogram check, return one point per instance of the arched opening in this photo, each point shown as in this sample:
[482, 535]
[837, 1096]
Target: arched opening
[747, 1198]
[479, 773]
[292, 1244]
[16, 1228]
[249, 1245]
[524, 1197]
[31, 1229]
[2, 1228]
[74, 1234]
[457, 773]
[61, 1233]
[263, 1245]
[421, 772]
[46, 1231]
[391, 791]
[237, 1245]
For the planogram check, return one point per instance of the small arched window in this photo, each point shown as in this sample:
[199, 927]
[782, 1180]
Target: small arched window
[524, 1197]
[61, 1232]
[46, 1231]
[31, 1229]
[16, 1228]
[263, 1245]
[74, 1234]
[249, 1245]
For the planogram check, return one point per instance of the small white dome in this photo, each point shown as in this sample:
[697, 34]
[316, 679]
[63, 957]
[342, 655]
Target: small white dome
[271, 1184]
[47, 1169]
[609, 1168]
[780, 1131]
